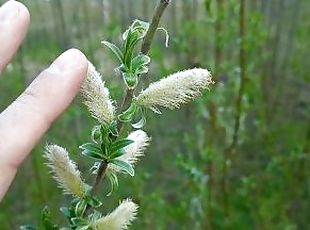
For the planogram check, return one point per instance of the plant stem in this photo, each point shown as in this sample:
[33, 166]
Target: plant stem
[145, 48]
[232, 147]
[147, 41]
[100, 176]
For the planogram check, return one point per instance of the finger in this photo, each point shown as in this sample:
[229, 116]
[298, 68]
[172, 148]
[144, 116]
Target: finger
[14, 21]
[24, 122]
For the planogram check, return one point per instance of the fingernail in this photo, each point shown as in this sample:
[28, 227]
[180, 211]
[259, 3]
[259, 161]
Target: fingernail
[8, 11]
[69, 60]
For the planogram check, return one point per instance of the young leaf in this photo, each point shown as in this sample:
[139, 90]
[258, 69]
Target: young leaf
[118, 53]
[93, 201]
[79, 221]
[127, 115]
[117, 154]
[130, 79]
[142, 70]
[113, 181]
[124, 166]
[119, 144]
[92, 150]
[113, 129]
[131, 41]
[96, 133]
[140, 123]
[140, 61]
[80, 208]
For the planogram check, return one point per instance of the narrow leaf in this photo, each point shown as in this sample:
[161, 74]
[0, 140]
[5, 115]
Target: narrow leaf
[79, 221]
[113, 181]
[128, 114]
[119, 144]
[93, 201]
[140, 61]
[118, 53]
[124, 166]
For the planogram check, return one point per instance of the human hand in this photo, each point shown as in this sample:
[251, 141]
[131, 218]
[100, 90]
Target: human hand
[24, 122]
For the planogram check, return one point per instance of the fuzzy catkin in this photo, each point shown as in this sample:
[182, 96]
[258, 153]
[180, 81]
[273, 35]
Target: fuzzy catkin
[135, 150]
[97, 97]
[119, 219]
[65, 171]
[176, 89]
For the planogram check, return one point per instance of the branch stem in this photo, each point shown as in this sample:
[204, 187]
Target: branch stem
[230, 151]
[146, 45]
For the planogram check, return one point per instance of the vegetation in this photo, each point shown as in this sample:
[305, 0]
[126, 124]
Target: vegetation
[236, 158]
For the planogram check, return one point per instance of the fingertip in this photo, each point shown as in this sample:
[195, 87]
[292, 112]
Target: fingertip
[24, 12]
[14, 22]
[71, 60]
[12, 10]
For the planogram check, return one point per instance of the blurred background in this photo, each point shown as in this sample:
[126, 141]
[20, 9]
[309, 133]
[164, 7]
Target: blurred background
[235, 158]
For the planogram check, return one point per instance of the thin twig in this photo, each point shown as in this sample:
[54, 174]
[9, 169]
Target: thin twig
[147, 41]
[100, 175]
[153, 26]
[232, 147]
[242, 60]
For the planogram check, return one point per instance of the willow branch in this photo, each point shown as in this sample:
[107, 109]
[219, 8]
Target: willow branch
[146, 44]
[242, 62]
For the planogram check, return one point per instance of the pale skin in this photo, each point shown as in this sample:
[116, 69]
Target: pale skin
[23, 123]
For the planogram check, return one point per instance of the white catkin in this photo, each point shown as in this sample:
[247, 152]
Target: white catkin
[176, 89]
[97, 97]
[65, 171]
[119, 219]
[133, 151]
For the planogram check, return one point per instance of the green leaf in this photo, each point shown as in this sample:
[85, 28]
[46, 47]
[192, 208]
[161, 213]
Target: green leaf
[80, 207]
[141, 26]
[119, 144]
[113, 181]
[140, 123]
[96, 133]
[142, 70]
[113, 129]
[118, 53]
[124, 166]
[130, 79]
[92, 150]
[140, 61]
[128, 114]
[117, 154]
[46, 220]
[130, 43]
[166, 34]
[79, 221]
[93, 201]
